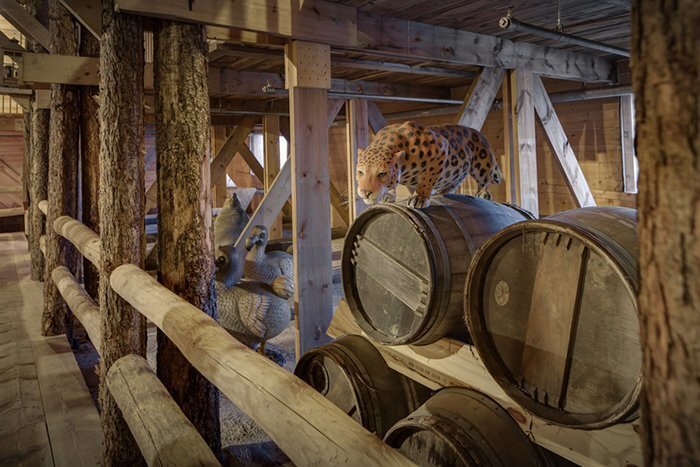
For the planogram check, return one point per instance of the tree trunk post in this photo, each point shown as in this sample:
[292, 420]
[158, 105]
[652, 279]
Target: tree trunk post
[64, 143]
[90, 158]
[186, 262]
[121, 209]
[665, 57]
[39, 166]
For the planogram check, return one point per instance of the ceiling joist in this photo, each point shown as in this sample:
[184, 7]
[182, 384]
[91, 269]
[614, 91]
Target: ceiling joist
[345, 27]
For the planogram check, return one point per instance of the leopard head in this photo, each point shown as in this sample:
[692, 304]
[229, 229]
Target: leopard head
[378, 171]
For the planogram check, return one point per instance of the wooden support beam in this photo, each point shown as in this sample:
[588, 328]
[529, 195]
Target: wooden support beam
[376, 119]
[60, 69]
[163, 433]
[303, 423]
[271, 150]
[231, 147]
[308, 79]
[316, 20]
[357, 131]
[479, 99]
[25, 23]
[218, 189]
[566, 158]
[80, 303]
[409, 39]
[525, 158]
[88, 13]
[629, 158]
[270, 207]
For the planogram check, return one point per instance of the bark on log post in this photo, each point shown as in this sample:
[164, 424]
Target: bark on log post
[90, 158]
[186, 262]
[64, 144]
[665, 57]
[27, 162]
[121, 209]
[39, 169]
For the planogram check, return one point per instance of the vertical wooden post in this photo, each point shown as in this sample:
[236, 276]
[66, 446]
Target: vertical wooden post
[90, 158]
[307, 68]
[186, 261]
[665, 57]
[627, 143]
[271, 143]
[509, 152]
[523, 145]
[357, 130]
[39, 161]
[64, 144]
[219, 189]
[121, 209]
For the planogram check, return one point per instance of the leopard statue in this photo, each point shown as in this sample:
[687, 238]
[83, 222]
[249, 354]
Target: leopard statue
[427, 160]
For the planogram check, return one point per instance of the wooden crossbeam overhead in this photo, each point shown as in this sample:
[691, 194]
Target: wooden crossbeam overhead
[479, 99]
[575, 178]
[88, 13]
[316, 20]
[25, 23]
[386, 36]
[397, 37]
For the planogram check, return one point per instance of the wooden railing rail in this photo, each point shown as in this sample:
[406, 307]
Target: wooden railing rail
[303, 423]
[80, 235]
[163, 433]
[80, 303]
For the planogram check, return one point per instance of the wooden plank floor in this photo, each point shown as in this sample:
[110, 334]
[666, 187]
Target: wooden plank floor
[46, 414]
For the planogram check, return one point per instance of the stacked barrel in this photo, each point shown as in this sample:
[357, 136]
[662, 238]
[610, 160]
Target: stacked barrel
[549, 304]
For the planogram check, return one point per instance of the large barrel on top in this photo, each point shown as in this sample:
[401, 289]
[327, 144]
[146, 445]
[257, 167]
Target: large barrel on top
[352, 374]
[404, 269]
[462, 428]
[552, 310]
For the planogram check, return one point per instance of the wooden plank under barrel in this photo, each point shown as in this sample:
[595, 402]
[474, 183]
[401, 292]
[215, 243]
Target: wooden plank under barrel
[404, 269]
[552, 310]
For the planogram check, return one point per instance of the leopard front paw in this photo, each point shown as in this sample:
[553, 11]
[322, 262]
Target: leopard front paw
[418, 202]
[389, 197]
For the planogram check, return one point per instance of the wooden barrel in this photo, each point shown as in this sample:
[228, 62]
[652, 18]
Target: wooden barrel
[404, 269]
[352, 374]
[551, 307]
[463, 427]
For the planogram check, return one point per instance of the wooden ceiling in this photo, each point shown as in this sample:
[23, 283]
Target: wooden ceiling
[601, 20]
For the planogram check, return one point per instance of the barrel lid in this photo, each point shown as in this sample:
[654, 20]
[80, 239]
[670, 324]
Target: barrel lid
[388, 265]
[551, 307]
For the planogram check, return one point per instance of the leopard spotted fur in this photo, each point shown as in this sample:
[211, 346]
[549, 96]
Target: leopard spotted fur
[426, 160]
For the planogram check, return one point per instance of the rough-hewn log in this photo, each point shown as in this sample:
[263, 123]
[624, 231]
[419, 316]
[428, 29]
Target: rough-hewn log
[26, 160]
[121, 209]
[665, 57]
[39, 169]
[81, 304]
[81, 237]
[90, 158]
[64, 144]
[303, 423]
[163, 433]
[185, 258]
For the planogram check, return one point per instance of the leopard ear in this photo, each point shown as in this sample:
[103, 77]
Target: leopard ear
[398, 156]
[359, 152]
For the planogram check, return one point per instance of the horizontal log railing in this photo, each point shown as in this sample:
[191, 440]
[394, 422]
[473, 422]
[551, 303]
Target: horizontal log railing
[80, 303]
[163, 433]
[303, 423]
